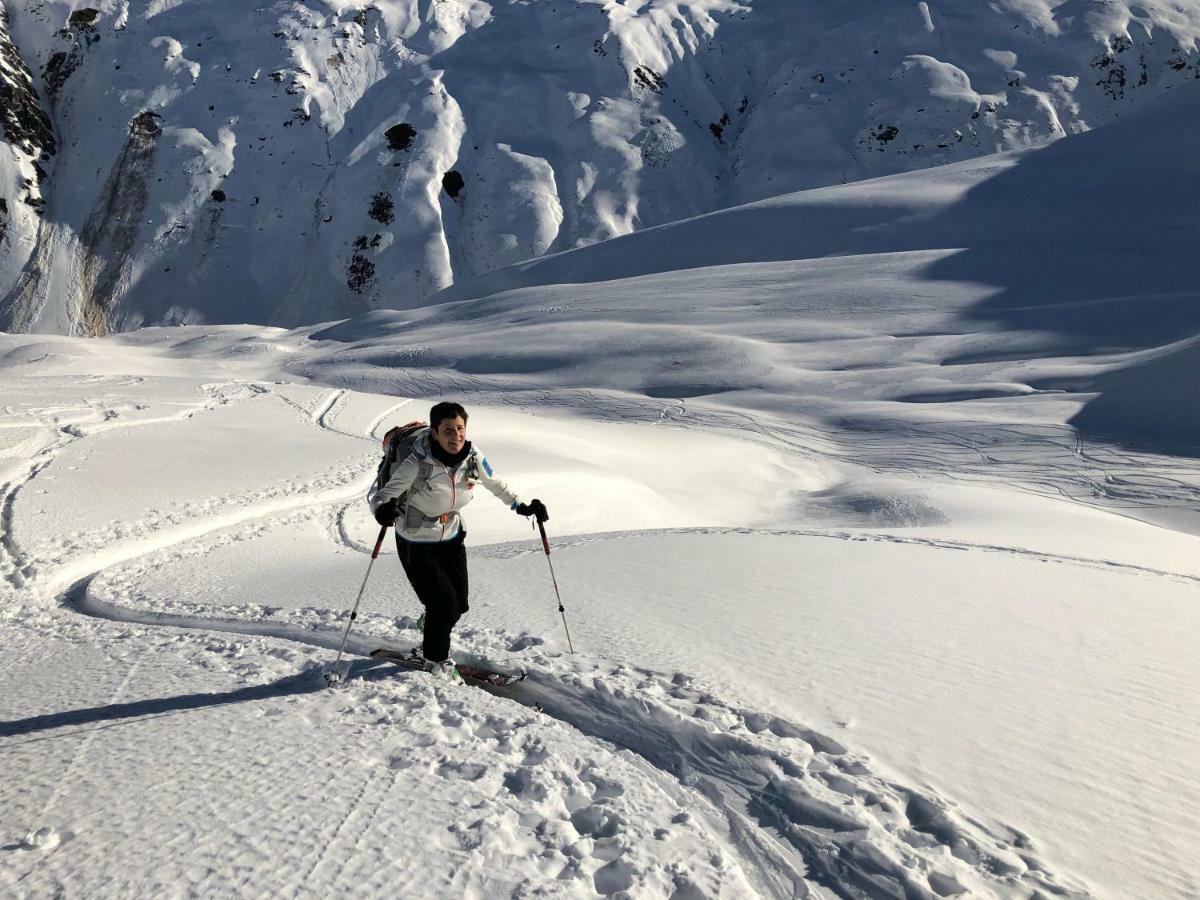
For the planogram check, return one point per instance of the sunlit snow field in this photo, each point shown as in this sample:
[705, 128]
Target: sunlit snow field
[859, 609]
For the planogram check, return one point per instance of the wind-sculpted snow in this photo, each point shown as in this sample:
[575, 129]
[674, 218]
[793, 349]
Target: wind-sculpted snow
[1053, 266]
[1055, 224]
[318, 160]
[893, 705]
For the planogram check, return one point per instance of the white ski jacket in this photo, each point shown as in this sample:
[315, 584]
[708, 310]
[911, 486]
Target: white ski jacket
[436, 493]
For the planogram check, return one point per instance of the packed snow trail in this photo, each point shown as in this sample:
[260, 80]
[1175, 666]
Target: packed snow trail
[783, 807]
[701, 759]
[779, 792]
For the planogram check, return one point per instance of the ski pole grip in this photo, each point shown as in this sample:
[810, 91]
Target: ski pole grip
[545, 542]
[379, 543]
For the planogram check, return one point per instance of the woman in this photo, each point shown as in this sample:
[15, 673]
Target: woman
[422, 498]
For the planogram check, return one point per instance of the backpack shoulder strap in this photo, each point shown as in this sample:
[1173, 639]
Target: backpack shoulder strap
[421, 453]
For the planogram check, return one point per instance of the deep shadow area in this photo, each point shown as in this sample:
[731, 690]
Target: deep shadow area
[1095, 240]
[1093, 237]
[1155, 403]
[307, 682]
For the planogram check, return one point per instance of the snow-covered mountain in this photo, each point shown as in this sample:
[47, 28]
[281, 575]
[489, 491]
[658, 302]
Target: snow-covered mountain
[184, 161]
[865, 599]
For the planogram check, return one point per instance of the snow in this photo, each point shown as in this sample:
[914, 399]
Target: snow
[755, 708]
[873, 507]
[569, 123]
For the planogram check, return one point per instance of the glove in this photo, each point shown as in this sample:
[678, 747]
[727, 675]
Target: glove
[387, 513]
[535, 508]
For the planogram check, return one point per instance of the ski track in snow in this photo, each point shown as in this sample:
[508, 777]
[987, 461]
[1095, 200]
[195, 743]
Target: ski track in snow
[795, 805]
[85, 745]
[507, 551]
[158, 529]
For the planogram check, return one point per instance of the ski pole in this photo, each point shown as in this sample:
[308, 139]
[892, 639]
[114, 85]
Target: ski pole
[358, 599]
[562, 612]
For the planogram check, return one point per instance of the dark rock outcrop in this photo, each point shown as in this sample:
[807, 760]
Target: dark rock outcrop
[452, 184]
[400, 137]
[26, 125]
[111, 231]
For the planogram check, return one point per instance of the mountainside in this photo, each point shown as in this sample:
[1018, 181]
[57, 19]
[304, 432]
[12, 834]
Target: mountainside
[182, 161]
[1047, 276]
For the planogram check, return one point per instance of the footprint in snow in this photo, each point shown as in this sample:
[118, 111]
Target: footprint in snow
[525, 784]
[524, 642]
[464, 771]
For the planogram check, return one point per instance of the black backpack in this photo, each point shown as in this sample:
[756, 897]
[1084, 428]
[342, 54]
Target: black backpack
[398, 445]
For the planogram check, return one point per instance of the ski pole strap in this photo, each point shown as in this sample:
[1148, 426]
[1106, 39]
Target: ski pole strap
[545, 540]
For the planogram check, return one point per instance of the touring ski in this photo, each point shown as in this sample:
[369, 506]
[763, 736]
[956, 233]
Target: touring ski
[470, 674]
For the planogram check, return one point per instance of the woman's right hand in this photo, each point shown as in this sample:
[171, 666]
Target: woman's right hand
[387, 513]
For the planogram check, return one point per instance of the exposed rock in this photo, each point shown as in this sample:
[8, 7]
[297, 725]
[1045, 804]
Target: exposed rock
[83, 19]
[400, 137]
[144, 128]
[57, 70]
[452, 184]
[359, 273]
[718, 128]
[658, 143]
[885, 133]
[649, 79]
[110, 233]
[26, 125]
[381, 208]
[81, 34]
[1115, 78]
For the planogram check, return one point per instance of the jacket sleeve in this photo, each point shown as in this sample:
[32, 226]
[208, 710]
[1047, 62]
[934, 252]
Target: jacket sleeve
[488, 479]
[401, 480]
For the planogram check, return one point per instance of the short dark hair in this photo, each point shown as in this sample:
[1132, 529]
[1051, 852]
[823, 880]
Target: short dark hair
[445, 410]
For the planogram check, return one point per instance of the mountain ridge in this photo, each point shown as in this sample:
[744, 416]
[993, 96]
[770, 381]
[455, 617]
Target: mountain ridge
[299, 162]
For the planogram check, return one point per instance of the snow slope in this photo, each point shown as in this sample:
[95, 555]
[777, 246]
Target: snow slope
[980, 322]
[860, 610]
[924, 715]
[186, 162]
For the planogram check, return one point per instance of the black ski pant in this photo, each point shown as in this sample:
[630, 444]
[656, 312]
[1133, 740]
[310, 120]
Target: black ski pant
[438, 574]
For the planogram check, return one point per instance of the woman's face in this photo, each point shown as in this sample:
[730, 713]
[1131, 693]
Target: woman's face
[451, 434]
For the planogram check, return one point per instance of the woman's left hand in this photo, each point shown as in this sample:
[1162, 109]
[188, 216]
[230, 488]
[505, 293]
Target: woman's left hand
[535, 508]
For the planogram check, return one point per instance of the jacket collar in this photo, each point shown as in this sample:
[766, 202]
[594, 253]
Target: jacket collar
[437, 454]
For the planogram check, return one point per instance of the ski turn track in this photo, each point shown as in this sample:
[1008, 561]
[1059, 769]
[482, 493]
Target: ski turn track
[506, 551]
[796, 808]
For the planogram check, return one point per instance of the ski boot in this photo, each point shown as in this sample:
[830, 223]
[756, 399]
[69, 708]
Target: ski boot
[444, 669]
